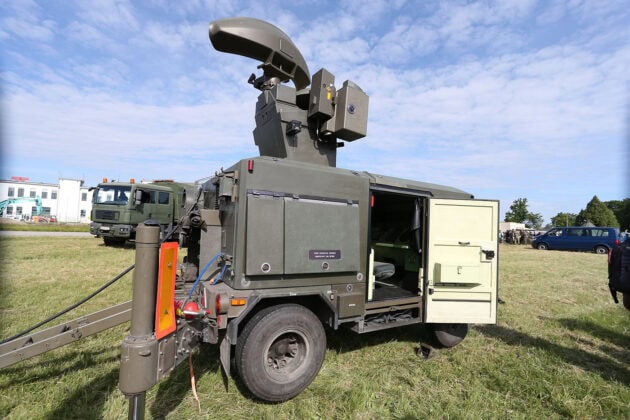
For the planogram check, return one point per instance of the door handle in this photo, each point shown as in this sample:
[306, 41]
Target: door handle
[489, 253]
[464, 243]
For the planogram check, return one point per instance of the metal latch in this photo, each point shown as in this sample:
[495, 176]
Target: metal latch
[294, 127]
[489, 253]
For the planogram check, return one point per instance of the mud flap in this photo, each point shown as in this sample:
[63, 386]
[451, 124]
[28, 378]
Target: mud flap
[224, 354]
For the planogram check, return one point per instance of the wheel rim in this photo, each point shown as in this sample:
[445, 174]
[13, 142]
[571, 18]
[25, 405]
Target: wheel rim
[285, 355]
[601, 250]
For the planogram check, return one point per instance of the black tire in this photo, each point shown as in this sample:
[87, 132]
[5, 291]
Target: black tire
[600, 249]
[449, 335]
[626, 300]
[109, 241]
[542, 246]
[280, 351]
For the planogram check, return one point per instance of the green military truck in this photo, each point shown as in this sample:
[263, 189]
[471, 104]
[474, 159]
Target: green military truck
[282, 245]
[118, 207]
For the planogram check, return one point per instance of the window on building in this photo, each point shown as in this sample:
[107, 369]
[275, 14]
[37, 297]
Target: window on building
[32, 193]
[163, 197]
[20, 192]
[11, 192]
[9, 210]
[33, 210]
[84, 196]
[18, 211]
[44, 194]
[53, 195]
[46, 211]
[83, 213]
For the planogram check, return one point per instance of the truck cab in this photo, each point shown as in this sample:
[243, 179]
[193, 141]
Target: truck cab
[118, 207]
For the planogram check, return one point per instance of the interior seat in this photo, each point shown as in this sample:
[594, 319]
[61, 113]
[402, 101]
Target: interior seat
[383, 270]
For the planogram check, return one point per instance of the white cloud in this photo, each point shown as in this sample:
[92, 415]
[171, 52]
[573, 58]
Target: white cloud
[83, 127]
[176, 37]
[460, 94]
[407, 42]
[28, 27]
[87, 35]
[553, 12]
[112, 14]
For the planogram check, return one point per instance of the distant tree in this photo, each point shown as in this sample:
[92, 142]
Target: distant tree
[519, 213]
[621, 209]
[597, 213]
[564, 219]
[534, 220]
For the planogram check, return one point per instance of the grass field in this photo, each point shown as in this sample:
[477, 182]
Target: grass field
[44, 227]
[560, 349]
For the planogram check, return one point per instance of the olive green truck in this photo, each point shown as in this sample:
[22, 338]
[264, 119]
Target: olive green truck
[281, 246]
[118, 207]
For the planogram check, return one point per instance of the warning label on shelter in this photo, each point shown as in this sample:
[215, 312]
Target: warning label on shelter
[318, 254]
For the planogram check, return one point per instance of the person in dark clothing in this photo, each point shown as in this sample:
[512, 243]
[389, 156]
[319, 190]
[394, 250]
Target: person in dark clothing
[619, 272]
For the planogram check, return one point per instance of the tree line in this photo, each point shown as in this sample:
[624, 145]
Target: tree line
[615, 213]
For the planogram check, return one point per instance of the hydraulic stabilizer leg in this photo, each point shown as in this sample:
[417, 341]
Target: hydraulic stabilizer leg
[139, 351]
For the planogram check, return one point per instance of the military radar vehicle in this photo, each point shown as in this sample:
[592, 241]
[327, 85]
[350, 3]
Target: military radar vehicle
[281, 245]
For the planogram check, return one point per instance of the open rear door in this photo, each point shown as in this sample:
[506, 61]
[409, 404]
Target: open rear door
[461, 265]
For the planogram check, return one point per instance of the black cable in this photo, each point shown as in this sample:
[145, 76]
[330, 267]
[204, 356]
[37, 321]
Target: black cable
[100, 289]
[68, 309]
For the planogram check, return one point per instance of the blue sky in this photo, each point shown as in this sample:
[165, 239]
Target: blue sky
[504, 99]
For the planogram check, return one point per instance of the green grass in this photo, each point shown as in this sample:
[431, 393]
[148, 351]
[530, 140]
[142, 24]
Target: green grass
[560, 350]
[45, 227]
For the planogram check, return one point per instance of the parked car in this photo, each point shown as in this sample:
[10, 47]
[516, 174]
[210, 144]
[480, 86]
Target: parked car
[578, 238]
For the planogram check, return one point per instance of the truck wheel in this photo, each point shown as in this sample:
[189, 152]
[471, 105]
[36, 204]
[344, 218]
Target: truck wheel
[109, 241]
[542, 246]
[626, 300]
[280, 351]
[449, 335]
[601, 249]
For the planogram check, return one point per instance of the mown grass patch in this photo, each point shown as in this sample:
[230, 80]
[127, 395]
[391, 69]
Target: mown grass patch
[560, 350]
[45, 227]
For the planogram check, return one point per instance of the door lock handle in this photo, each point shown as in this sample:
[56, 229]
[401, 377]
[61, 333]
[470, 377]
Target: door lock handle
[464, 243]
[489, 253]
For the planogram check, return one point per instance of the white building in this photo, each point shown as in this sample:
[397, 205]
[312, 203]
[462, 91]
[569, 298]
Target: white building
[505, 226]
[69, 201]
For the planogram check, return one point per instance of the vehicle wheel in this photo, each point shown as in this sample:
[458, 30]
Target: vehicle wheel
[601, 250]
[449, 335]
[280, 351]
[542, 246]
[626, 300]
[109, 241]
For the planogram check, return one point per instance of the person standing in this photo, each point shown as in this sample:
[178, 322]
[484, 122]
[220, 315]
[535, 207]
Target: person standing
[619, 272]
